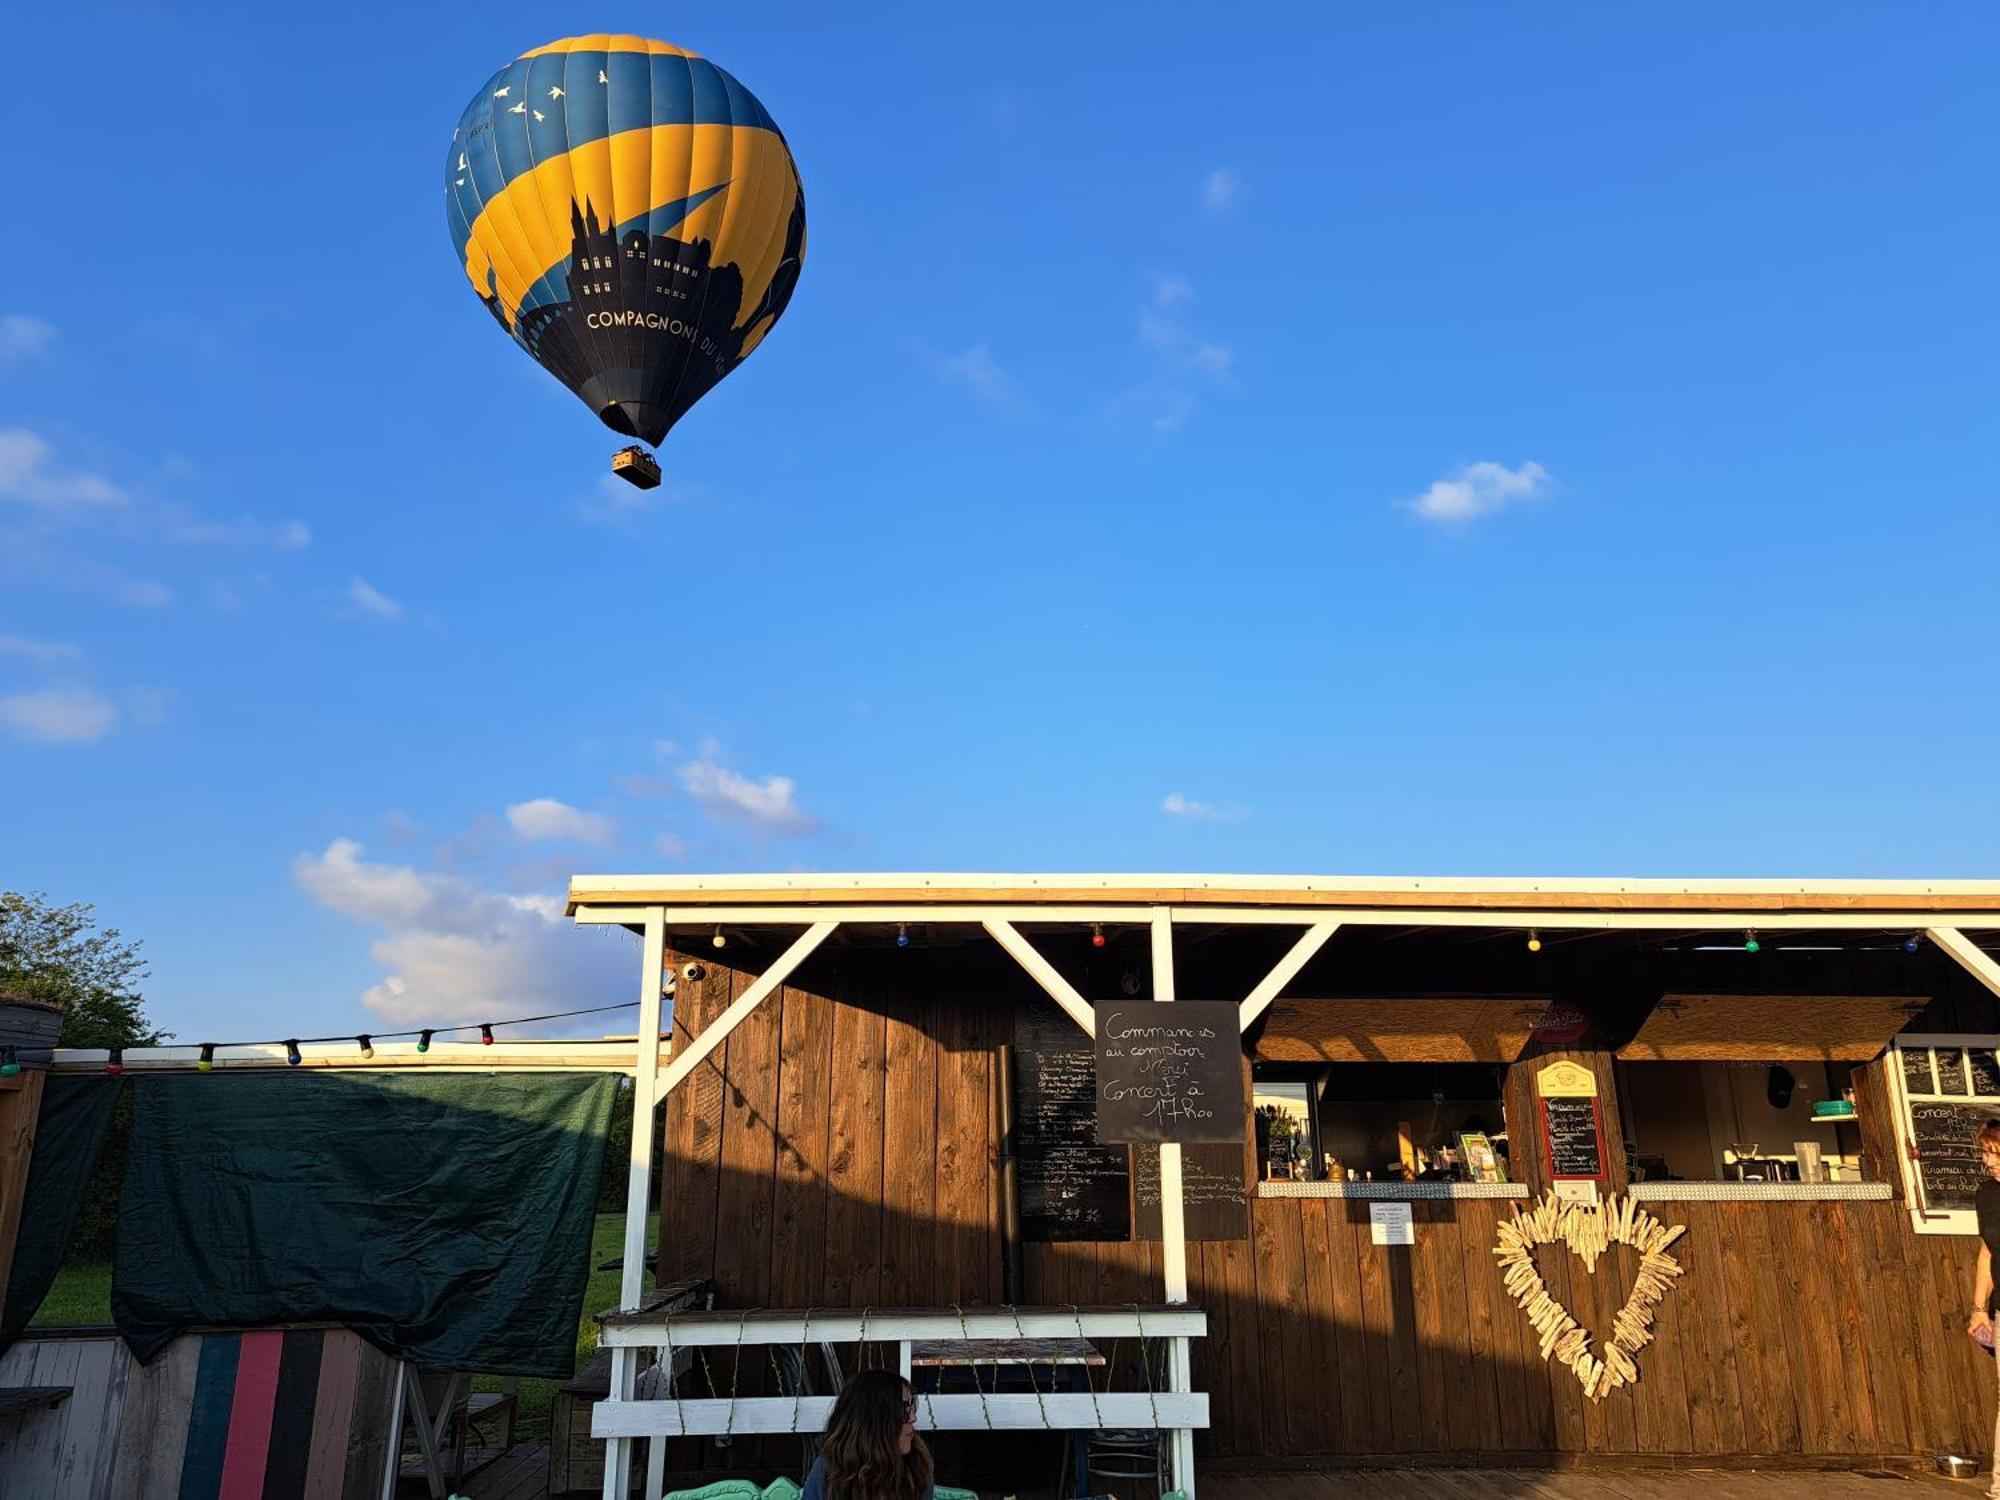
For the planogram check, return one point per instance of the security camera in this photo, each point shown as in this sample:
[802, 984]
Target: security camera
[695, 972]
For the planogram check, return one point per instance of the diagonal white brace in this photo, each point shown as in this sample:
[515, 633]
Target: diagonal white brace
[718, 1030]
[1043, 973]
[1972, 958]
[1310, 942]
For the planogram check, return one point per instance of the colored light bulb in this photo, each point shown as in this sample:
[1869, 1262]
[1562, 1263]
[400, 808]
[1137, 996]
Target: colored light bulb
[1097, 934]
[1750, 943]
[1534, 942]
[206, 1063]
[485, 1036]
[902, 934]
[367, 1045]
[114, 1065]
[424, 1041]
[1911, 943]
[293, 1057]
[10, 1065]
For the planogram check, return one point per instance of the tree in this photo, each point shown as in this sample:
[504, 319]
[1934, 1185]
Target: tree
[57, 955]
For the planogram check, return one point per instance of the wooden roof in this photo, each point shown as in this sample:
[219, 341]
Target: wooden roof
[1330, 893]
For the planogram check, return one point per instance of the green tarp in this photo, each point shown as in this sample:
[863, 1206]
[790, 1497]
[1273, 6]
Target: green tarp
[444, 1217]
[75, 1118]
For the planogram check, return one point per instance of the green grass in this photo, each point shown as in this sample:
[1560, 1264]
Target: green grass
[82, 1296]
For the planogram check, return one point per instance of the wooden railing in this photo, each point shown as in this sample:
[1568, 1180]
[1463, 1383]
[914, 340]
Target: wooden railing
[670, 1334]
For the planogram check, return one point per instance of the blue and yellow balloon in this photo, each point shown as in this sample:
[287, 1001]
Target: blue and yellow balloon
[633, 218]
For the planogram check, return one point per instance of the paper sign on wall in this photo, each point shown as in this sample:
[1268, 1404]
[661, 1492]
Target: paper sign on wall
[1391, 1224]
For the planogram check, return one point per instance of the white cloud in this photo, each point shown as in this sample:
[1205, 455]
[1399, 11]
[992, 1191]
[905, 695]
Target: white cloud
[60, 715]
[27, 475]
[545, 819]
[617, 502]
[287, 536]
[22, 336]
[142, 593]
[769, 805]
[458, 952]
[42, 651]
[1223, 190]
[977, 371]
[672, 847]
[370, 600]
[1478, 490]
[1182, 362]
[1178, 806]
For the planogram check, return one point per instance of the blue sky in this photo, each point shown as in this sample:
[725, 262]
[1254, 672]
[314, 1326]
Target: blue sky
[1502, 440]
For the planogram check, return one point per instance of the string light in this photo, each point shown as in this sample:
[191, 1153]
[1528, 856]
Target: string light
[10, 1064]
[367, 1045]
[902, 934]
[1534, 941]
[293, 1057]
[718, 941]
[1912, 943]
[207, 1063]
[424, 1040]
[1097, 934]
[486, 1036]
[114, 1065]
[1750, 943]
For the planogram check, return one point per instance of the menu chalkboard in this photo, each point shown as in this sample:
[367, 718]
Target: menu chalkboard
[1985, 1067]
[1950, 1070]
[1943, 1135]
[1071, 1188]
[1575, 1140]
[1917, 1071]
[1170, 1072]
[1211, 1192]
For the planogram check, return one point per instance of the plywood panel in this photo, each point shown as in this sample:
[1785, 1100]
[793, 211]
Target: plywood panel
[805, 1072]
[691, 1174]
[749, 1155]
[1770, 1028]
[909, 1158]
[1418, 1029]
[854, 1159]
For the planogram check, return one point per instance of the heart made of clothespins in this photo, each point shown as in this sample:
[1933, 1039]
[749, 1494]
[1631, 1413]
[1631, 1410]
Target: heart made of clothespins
[1589, 1230]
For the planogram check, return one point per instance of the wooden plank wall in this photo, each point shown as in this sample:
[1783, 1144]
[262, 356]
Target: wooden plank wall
[841, 1154]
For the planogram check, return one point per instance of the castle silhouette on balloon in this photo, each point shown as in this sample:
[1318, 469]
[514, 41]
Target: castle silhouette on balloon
[629, 295]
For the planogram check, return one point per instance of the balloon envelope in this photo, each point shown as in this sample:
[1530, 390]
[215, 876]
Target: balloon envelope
[631, 215]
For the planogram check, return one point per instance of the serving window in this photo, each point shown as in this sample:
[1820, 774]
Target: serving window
[1751, 1088]
[1380, 1122]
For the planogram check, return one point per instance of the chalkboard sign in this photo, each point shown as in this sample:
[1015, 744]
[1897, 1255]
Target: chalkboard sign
[1575, 1139]
[1917, 1071]
[1985, 1066]
[1071, 1188]
[1211, 1192]
[1943, 1132]
[1950, 1071]
[1170, 1072]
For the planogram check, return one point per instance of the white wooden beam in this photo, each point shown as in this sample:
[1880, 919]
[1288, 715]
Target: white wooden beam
[696, 917]
[1173, 1229]
[1057, 1411]
[1285, 970]
[718, 1030]
[1043, 973]
[638, 1186]
[1972, 958]
[794, 1326]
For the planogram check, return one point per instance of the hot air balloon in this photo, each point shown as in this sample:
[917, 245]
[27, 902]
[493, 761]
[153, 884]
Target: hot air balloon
[632, 217]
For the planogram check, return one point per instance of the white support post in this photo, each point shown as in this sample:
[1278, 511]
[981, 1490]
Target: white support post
[1972, 958]
[1310, 942]
[1043, 973]
[718, 1030]
[638, 1187]
[1173, 1222]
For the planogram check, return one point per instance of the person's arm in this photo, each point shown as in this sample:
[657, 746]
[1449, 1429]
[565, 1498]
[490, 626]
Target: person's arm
[1982, 1291]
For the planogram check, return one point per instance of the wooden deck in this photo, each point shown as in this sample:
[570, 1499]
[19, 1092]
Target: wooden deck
[1519, 1484]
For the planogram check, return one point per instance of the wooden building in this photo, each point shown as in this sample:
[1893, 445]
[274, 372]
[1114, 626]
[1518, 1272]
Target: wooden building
[1788, 1074]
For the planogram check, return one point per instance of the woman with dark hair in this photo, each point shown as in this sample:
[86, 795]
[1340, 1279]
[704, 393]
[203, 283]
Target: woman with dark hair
[1986, 1203]
[871, 1450]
